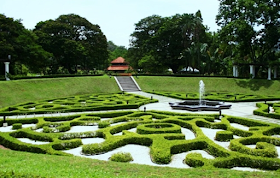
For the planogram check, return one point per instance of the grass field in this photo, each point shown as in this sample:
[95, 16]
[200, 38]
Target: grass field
[191, 84]
[64, 166]
[19, 91]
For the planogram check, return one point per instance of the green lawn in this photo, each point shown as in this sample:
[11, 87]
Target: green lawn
[191, 84]
[66, 166]
[19, 91]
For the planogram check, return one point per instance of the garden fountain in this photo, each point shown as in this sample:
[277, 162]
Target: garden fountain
[201, 104]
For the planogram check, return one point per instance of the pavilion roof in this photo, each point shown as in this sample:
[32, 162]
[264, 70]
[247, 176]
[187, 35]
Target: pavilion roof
[119, 60]
[124, 67]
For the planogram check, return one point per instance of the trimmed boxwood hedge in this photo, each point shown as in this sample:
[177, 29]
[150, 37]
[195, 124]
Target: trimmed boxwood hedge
[218, 96]
[17, 126]
[121, 157]
[162, 144]
[224, 136]
[263, 110]
[194, 160]
[158, 128]
[94, 102]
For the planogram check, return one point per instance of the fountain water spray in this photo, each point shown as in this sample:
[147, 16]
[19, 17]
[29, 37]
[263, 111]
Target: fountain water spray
[201, 104]
[201, 92]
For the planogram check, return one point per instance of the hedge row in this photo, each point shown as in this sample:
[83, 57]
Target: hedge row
[224, 136]
[218, 96]
[95, 102]
[155, 128]
[263, 110]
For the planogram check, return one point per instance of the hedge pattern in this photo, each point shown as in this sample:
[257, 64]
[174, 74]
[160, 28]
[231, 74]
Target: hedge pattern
[220, 96]
[160, 133]
[94, 102]
[266, 112]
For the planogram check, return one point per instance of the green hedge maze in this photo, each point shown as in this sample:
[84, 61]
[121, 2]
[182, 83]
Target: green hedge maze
[220, 96]
[94, 102]
[153, 138]
[271, 110]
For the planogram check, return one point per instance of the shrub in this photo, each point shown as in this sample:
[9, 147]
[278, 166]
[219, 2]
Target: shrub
[267, 151]
[156, 128]
[103, 124]
[121, 157]
[263, 111]
[194, 160]
[69, 144]
[17, 126]
[224, 136]
[248, 161]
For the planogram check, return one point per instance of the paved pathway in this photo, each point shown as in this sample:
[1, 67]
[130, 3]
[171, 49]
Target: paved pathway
[242, 109]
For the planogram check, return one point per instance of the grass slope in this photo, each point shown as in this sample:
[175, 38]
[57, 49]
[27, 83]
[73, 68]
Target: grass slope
[191, 84]
[63, 166]
[19, 91]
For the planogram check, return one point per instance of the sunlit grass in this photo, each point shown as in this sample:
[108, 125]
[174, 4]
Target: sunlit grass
[64, 166]
[19, 91]
[191, 84]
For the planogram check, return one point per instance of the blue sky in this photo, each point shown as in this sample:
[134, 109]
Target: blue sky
[115, 17]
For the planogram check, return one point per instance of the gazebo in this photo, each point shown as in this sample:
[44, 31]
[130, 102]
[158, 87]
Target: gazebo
[119, 65]
[7, 67]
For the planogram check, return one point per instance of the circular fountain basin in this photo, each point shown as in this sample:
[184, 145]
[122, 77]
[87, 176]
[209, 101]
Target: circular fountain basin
[194, 105]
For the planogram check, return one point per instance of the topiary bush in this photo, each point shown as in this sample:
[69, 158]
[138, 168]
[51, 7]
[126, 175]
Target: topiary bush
[121, 157]
[103, 124]
[224, 136]
[194, 160]
[157, 128]
[263, 110]
[17, 126]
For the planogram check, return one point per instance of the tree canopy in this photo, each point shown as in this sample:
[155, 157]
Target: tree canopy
[74, 42]
[22, 45]
[166, 41]
[252, 29]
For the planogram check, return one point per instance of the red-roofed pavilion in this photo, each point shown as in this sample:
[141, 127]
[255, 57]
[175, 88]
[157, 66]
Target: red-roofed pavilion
[119, 65]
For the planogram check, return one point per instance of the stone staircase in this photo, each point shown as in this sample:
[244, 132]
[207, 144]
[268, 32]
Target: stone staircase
[127, 83]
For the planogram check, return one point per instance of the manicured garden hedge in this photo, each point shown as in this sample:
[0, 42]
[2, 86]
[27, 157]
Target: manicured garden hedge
[94, 102]
[263, 110]
[218, 96]
[158, 130]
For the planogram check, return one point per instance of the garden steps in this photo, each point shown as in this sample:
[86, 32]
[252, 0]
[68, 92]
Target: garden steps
[127, 83]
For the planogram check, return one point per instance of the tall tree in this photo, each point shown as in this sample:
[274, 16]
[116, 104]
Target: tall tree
[22, 44]
[252, 28]
[73, 41]
[167, 39]
[142, 42]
